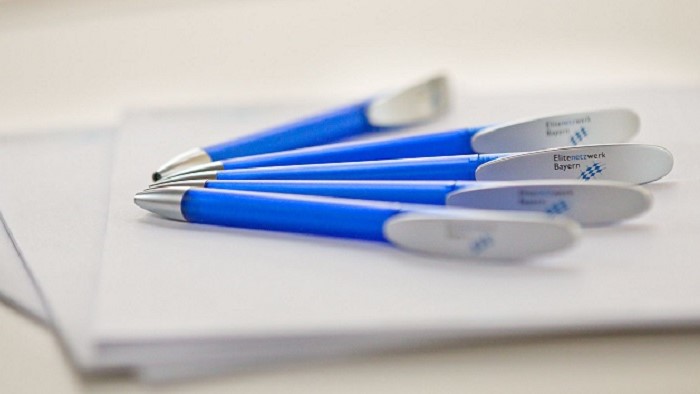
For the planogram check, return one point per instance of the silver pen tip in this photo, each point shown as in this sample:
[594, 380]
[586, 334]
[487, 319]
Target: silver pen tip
[213, 166]
[181, 162]
[166, 183]
[205, 175]
[163, 201]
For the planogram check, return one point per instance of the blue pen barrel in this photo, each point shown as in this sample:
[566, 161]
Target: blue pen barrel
[434, 194]
[289, 213]
[439, 144]
[317, 130]
[437, 168]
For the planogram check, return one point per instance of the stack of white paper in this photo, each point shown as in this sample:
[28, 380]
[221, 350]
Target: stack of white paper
[126, 289]
[16, 286]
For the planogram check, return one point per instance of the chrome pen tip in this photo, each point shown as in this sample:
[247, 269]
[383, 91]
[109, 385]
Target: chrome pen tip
[213, 166]
[181, 162]
[163, 201]
[204, 175]
[201, 183]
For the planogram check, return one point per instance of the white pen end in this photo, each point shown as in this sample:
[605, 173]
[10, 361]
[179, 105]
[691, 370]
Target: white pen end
[604, 126]
[632, 163]
[590, 203]
[417, 103]
[481, 234]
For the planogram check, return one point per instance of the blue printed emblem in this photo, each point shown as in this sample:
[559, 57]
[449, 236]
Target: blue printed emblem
[579, 136]
[481, 244]
[591, 171]
[558, 208]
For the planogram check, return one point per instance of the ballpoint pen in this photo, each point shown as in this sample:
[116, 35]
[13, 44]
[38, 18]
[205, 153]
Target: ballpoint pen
[592, 127]
[589, 203]
[632, 163]
[441, 231]
[414, 104]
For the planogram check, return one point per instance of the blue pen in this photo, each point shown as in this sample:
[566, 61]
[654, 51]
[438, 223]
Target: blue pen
[632, 163]
[442, 231]
[589, 203]
[417, 103]
[592, 127]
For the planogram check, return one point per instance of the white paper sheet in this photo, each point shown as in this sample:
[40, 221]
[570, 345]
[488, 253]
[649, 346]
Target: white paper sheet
[667, 119]
[55, 205]
[66, 261]
[167, 282]
[16, 286]
[42, 208]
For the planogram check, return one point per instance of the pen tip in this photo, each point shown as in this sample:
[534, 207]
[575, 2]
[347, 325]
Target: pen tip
[165, 202]
[181, 162]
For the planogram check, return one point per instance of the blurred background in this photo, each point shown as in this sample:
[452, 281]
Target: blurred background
[75, 62]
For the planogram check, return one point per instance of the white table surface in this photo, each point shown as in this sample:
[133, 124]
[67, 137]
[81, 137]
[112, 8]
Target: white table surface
[76, 63]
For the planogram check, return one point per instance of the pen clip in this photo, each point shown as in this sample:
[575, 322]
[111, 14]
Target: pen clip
[417, 103]
[632, 163]
[480, 234]
[590, 204]
[592, 127]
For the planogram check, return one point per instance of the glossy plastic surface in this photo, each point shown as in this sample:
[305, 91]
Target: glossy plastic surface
[633, 163]
[481, 234]
[450, 143]
[604, 126]
[409, 192]
[411, 104]
[589, 203]
[286, 212]
[432, 168]
[449, 232]
[316, 130]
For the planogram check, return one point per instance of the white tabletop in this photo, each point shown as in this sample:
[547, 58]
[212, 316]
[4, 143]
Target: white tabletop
[76, 63]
